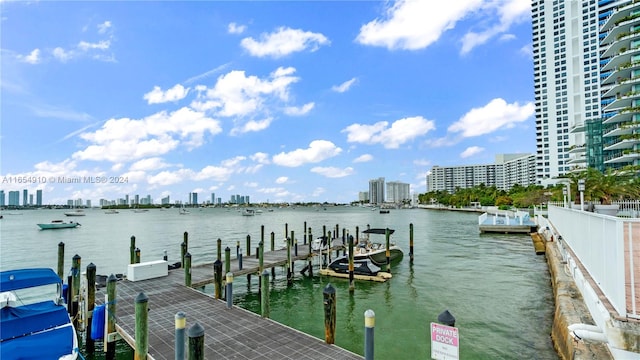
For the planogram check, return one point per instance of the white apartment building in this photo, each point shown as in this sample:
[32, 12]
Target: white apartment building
[376, 191]
[398, 192]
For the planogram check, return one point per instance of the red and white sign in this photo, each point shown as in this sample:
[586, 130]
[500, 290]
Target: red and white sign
[444, 342]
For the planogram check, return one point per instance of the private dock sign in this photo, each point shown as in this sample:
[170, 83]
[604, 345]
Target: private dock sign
[444, 342]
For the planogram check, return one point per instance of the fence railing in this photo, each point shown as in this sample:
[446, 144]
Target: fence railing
[605, 246]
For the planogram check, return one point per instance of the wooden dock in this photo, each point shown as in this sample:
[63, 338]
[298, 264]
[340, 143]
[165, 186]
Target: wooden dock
[230, 333]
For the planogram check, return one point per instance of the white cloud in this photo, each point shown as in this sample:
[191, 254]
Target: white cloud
[344, 86]
[298, 111]
[149, 164]
[157, 96]
[400, 132]
[496, 115]
[282, 42]
[282, 180]
[252, 125]
[317, 151]
[104, 27]
[260, 157]
[234, 28]
[363, 158]
[421, 162]
[165, 178]
[32, 58]
[61, 54]
[333, 172]
[415, 24]
[470, 151]
[123, 140]
[100, 45]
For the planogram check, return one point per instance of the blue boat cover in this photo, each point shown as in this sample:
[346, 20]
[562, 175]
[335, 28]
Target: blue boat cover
[49, 345]
[26, 278]
[97, 322]
[23, 320]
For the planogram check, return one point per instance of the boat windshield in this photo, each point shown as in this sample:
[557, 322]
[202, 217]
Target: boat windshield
[32, 295]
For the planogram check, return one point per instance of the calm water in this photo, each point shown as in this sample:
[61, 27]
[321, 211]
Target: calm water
[496, 287]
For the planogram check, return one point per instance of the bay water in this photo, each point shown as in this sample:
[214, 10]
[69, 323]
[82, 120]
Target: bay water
[496, 287]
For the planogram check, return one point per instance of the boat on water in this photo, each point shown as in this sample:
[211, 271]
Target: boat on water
[59, 224]
[362, 266]
[112, 211]
[377, 251]
[183, 211]
[248, 212]
[384, 211]
[78, 212]
[507, 223]
[35, 323]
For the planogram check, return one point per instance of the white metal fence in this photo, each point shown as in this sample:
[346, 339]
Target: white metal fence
[605, 246]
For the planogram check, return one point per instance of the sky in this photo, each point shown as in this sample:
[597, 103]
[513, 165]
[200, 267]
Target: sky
[282, 101]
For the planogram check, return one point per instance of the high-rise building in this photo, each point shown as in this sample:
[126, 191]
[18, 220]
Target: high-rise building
[398, 192]
[25, 197]
[14, 198]
[586, 65]
[508, 170]
[2, 198]
[376, 191]
[30, 199]
[39, 197]
[363, 196]
[165, 200]
[213, 198]
[193, 198]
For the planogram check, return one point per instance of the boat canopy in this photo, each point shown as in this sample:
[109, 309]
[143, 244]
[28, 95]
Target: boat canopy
[378, 231]
[25, 278]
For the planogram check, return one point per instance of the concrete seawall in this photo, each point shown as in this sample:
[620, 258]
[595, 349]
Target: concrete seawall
[570, 309]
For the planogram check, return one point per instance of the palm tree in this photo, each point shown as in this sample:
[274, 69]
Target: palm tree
[610, 186]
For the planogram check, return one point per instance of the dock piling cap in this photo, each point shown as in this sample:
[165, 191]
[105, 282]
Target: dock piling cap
[141, 298]
[446, 318]
[195, 331]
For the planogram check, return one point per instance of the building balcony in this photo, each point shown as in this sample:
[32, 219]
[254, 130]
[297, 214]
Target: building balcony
[618, 17]
[622, 157]
[622, 144]
[620, 129]
[578, 128]
[620, 102]
[622, 86]
[577, 149]
[623, 115]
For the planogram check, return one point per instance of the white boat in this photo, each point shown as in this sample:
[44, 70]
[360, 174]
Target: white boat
[377, 251]
[248, 212]
[78, 212]
[362, 266]
[35, 323]
[59, 224]
[112, 211]
[183, 211]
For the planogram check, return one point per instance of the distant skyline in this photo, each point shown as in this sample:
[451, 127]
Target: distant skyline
[291, 101]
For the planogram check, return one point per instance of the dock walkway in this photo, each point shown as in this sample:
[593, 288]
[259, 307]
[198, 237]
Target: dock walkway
[229, 333]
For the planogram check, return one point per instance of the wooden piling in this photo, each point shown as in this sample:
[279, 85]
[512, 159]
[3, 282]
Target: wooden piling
[357, 235]
[217, 276]
[196, 342]
[310, 262]
[289, 271]
[273, 241]
[142, 327]
[187, 269]
[264, 298]
[305, 233]
[387, 235]
[229, 292]
[411, 242]
[227, 260]
[61, 260]
[329, 301]
[91, 301]
[183, 250]
[110, 341]
[185, 238]
[351, 268]
[219, 249]
[137, 257]
[132, 250]
[75, 272]
[248, 245]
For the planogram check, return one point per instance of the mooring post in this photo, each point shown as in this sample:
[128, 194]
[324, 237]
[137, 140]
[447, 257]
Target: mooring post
[219, 249]
[388, 251]
[262, 234]
[329, 238]
[305, 233]
[310, 264]
[240, 259]
[260, 257]
[132, 250]
[289, 281]
[137, 255]
[187, 269]
[196, 342]
[164, 256]
[185, 238]
[248, 245]
[369, 326]
[411, 242]
[181, 323]
[352, 286]
[229, 291]
[183, 250]
[91, 301]
[75, 272]
[273, 241]
[286, 230]
[69, 294]
[61, 260]
[264, 298]
[217, 276]
[227, 260]
[357, 235]
[142, 327]
[295, 246]
[110, 316]
[237, 249]
[329, 301]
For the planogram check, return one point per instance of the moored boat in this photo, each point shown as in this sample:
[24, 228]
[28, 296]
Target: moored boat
[59, 224]
[35, 323]
[112, 211]
[362, 266]
[248, 212]
[377, 251]
[78, 212]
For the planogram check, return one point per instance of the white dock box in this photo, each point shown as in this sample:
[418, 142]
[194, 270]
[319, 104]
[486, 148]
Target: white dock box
[147, 270]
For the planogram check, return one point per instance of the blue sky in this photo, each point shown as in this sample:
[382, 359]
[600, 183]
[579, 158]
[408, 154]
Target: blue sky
[283, 101]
